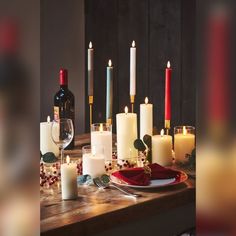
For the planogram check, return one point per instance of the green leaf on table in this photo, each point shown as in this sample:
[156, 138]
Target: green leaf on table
[139, 145]
[49, 157]
[105, 179]
[147, 139]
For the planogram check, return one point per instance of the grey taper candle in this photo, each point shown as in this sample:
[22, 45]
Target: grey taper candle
[109, 95]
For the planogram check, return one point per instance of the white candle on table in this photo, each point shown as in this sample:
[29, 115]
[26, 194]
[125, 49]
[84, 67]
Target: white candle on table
[162, 149]
[68, 180]
[102, 141]
[93, 164]
[133, 69]
[183, 144]
[126, 127]
[146, 118]
[46, 142]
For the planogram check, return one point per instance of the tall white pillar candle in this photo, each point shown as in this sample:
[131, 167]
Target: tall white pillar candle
[101, 139]
[184, 143]
[133, 69]
[162, 149]
[93, 164]
[46, 142]
[69, 180]
[126, 127]
[146, 118]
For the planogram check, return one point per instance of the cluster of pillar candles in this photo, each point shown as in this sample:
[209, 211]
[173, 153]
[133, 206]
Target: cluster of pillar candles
[100, 151]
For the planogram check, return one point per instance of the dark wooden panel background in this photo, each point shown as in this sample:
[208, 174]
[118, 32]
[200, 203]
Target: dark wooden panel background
[163, 30]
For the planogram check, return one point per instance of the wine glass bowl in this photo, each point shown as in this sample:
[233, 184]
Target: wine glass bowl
[62, 133]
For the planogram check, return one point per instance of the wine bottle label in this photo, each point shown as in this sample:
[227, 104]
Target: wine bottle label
[56, 113]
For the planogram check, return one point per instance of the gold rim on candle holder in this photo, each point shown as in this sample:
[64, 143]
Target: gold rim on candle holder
[91, 109]
[132, 98]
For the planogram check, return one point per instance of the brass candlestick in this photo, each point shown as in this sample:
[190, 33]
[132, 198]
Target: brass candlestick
[91, 109]
[132, 98]
[167, 126]
[109, 121]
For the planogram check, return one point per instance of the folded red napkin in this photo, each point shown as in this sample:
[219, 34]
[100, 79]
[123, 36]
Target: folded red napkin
[142, 176]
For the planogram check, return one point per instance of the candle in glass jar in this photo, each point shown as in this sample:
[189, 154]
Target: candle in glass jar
[162, 149]
[101, 139]
[46, 142]
[184, 143]
[69, 180]
[126, 127]
[146, 118]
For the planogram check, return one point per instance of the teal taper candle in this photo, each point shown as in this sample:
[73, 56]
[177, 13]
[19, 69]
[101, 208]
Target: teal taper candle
[109, 95]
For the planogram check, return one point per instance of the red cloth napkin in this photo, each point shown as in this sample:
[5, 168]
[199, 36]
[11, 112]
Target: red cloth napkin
[142, 176]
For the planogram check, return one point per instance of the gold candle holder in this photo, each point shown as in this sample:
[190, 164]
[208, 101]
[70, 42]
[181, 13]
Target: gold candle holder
[132, 99]
[91, 109]
[109, 121]
[167, 126]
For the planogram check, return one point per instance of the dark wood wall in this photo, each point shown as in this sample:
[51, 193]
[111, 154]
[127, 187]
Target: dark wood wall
[163, 30]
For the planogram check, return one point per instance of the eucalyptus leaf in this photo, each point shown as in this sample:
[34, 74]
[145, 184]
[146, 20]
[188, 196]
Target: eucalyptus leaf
[138, 144]
[147, 139]
[49, 157]
[105, 179]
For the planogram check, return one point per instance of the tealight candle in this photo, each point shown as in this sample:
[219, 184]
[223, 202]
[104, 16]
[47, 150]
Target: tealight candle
[93, 163]
[101, 139]
[126, 127]
[184, 142]
[162, 149]
[46, 142]
[146, 118]
[69, 180]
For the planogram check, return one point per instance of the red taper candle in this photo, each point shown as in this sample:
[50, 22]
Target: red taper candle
[168, 96]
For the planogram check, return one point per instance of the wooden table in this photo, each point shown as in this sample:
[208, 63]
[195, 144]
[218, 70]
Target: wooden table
[167, 210]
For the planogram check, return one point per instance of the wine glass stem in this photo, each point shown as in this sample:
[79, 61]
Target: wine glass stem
[61, 155]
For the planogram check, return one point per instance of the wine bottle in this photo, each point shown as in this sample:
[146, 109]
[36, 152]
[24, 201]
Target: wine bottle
[64, 102]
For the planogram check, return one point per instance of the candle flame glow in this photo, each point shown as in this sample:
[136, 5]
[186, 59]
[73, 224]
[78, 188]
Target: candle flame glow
[146, 100]
[48, 119]
[101, 127]
[126, 110]
[184, 130]
[90, 45]
[133, 44]
[162, 132]
[67, 159]
[168, 64]
[109, 63]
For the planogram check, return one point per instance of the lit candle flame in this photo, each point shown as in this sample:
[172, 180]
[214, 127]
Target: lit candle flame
[146, 100]
[48, 119]
[162, 132]
[109, 63]
[90, 45]
[168, 64]
[68, 159]
[126, 110]
[133, 44]
[101, 127]
[184, 130]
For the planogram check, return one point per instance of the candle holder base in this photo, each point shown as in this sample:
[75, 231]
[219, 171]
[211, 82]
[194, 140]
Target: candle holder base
[109, 121]
[132, 99]
[91, 109]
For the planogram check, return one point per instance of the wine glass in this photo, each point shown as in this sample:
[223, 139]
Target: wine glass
[62, 133]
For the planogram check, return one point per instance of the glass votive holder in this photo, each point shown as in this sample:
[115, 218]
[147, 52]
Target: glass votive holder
[184, 143]
[101, 139]
[93, 163]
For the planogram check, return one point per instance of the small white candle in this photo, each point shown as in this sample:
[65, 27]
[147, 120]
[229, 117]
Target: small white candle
[146, 118]
[102, 141]
[183, 144]
[93, 164]
[126, 127]
[133, 69]
[46, 142]
[68, 180]
[162, 149]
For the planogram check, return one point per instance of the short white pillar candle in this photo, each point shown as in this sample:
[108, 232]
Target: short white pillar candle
[184, 142]
[93, 163]
[162, 149]
[68, 180]
[101, 139]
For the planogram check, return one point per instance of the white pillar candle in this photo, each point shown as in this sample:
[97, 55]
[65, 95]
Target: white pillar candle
[68, 180]
[133, 69]
[162, 149]
[183, 144]
[93, 164]
[126, 127]
[46, 142]
[146, 118]
[101, 140]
